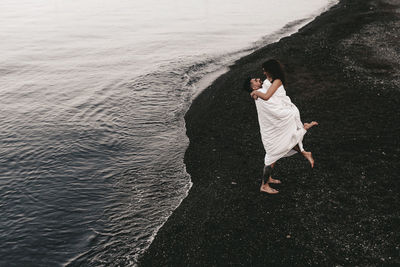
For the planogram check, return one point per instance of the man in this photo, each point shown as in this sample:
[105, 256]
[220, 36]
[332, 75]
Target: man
[256, 84]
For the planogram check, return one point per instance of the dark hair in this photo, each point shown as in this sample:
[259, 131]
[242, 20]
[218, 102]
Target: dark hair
[246, 85]
[274, 69]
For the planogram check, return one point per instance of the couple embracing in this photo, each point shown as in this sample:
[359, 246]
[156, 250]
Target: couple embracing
[281, 129]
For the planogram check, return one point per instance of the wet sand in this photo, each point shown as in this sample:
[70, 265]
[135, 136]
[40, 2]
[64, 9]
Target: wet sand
[344, 72]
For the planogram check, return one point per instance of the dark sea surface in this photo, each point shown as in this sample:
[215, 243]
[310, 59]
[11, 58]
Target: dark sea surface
[92, 99]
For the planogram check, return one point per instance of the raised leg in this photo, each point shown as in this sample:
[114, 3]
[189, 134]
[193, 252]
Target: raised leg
[306, 154]
[308, 125]
[297, 148]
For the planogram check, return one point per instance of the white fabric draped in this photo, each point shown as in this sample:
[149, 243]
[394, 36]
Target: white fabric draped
[280, 125]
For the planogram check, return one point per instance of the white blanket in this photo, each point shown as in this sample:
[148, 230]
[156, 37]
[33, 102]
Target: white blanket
[280, 125]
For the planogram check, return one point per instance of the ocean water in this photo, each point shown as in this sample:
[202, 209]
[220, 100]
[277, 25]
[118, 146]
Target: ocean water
[92, 99]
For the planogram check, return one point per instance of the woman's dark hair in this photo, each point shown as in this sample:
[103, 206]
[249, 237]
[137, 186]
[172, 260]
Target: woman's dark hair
[275, 69]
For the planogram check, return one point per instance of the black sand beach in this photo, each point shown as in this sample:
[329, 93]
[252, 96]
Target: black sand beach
[344, 72]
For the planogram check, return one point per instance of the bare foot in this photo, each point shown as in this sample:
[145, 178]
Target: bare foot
[310, 124]
[309, 157]
[267, 189]
[273, 181]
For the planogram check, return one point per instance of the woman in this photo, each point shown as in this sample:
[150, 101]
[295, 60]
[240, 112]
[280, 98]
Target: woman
[281, 128]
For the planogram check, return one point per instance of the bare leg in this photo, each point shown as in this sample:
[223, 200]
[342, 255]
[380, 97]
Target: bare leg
[270, 179]
[267, 175]
[307, 155]
[297, 148]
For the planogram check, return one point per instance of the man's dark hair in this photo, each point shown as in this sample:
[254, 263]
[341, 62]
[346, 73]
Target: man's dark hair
[246, 85]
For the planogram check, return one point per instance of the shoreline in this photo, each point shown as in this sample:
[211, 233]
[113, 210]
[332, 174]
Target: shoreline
[336, 70]
[207, 80]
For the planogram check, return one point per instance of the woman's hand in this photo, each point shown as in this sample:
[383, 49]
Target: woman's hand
[271, 90]
[254, 95]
